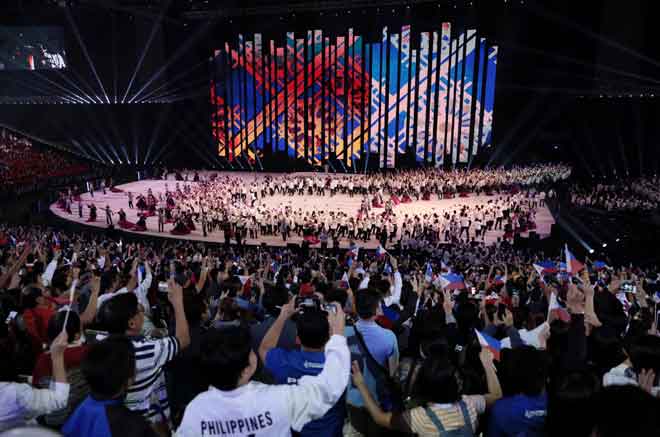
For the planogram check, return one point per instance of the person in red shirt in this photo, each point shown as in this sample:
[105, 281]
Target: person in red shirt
[73, 354]
[38, 310]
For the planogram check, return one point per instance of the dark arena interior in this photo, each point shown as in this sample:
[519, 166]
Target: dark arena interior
[329, 218]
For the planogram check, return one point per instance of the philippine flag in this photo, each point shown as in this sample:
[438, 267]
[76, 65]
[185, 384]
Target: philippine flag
[493, 345]
[428, 275]
[445, 267]
[246, 281]
[600, 265]
[500, 279]
[353, 251]
[452, 281]
[380, 252]
[557, 309]
[573, 266]
[547, 267]
[344, 280]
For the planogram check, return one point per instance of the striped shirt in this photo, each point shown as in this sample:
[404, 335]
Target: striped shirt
[417, 421]
[148, 394]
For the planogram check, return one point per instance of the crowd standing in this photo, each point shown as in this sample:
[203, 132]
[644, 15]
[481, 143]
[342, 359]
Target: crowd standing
[106, 337]
[638, 195]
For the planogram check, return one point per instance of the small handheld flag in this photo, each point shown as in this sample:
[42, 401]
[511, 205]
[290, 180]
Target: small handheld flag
[344, 280]
[500, 279]
[600, 265]
[573, 266]
[452, 281]
[488, 342]
[547, 267]
[428, 275]
[557, 309]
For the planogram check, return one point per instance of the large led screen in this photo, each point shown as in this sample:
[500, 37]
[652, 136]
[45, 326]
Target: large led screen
[323, 97]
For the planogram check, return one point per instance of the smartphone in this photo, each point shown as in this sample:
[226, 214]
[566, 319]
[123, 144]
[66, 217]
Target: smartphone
[12, 315]
[330, 308]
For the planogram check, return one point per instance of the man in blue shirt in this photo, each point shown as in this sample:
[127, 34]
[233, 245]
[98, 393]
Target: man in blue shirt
[382, 345]
[523, 414]
[288, 366]
[108, 368]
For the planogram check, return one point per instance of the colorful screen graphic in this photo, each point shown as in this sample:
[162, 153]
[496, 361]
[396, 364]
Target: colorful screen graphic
[325, 98]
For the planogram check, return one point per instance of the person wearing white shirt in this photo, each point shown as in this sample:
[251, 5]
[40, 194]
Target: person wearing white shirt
[19, 403]
[234, 405]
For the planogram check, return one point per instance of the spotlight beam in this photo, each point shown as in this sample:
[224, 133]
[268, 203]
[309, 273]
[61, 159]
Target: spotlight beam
[181, 94]
[84, 49]
[172, 81]
[40, 88]
[146, 47]
[177, 54]
[156, 132]
[549, 115]
[93, 98]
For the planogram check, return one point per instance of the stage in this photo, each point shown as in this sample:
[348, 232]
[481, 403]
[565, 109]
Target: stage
[339, 202]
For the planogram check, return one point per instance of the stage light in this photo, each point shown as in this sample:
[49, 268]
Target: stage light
[618, 239]
[604, 244]
[590, 250]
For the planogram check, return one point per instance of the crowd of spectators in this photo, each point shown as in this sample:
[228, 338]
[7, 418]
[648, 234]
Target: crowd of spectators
[103, 336]
[23, 162]
[627, 195]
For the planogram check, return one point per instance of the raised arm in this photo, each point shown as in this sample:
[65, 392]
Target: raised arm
[43, 401]
[15, 267]
[203, 275]
[273, 335]
[315, 395]
[175, 296]
[382, 418]
[494, 388]
[89, 314]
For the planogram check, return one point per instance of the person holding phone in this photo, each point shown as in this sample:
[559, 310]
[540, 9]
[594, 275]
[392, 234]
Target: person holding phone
[288, 366]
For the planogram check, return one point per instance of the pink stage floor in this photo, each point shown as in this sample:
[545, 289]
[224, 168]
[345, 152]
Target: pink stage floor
[340, 202]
